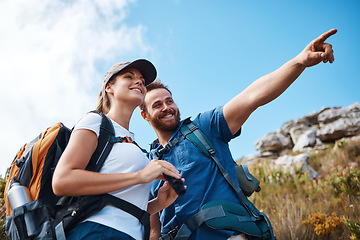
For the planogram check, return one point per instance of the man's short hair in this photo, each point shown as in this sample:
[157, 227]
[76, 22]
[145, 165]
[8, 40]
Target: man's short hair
[157, 84]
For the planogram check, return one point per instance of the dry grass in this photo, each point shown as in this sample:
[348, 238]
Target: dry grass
[301, 208]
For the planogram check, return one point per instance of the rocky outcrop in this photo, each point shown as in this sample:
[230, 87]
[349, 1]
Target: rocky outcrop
[314, 131]
[304, 135]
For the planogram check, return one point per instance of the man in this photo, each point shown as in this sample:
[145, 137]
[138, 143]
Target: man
[204, 181]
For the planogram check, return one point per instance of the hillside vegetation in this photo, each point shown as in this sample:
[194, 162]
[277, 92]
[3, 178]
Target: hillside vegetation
[302, 208]
[299, 207]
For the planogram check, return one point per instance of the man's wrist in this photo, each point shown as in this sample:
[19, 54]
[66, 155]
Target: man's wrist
[297, 62]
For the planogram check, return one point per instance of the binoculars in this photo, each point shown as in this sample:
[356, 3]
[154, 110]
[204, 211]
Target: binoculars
[176, 184]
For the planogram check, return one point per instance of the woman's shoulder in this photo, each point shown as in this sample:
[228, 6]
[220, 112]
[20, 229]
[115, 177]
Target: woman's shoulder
[91, 121]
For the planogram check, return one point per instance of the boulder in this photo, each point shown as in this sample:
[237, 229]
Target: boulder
[306, 140]
[287, 161]
[337, 123]
[274, 142]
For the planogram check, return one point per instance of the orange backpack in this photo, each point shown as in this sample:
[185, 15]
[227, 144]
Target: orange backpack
[32, 161]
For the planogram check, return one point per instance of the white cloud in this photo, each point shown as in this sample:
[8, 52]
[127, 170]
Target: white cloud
[49, 57]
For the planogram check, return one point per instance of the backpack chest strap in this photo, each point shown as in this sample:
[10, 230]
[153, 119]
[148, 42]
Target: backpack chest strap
[125, 139]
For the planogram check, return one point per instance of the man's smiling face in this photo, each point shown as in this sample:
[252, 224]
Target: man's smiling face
[161, 110]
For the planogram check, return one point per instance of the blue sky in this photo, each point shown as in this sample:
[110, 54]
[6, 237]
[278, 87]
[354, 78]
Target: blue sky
[53, 57]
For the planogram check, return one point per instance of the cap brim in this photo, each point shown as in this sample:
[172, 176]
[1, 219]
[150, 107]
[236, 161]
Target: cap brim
[146, 68]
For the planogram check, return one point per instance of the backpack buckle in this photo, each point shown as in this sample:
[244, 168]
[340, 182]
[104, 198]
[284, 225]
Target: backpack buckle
[211, 151]
[192, 128]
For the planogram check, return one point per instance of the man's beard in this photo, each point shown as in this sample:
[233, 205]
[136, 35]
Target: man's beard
[158, 124]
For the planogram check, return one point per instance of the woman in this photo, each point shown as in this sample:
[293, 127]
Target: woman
[126, 173]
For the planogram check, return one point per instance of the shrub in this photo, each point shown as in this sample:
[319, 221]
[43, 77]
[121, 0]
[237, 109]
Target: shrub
[324, 225]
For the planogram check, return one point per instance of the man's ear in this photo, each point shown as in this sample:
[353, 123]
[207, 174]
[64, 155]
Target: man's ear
[144, 115]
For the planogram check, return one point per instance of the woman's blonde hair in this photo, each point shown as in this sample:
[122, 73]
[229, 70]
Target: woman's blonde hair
[104, 104]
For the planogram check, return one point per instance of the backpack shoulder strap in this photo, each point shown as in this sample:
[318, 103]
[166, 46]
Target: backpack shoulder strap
[194, 135]
[191, 132]
[141, 215]
[105, 144]
[204, 144]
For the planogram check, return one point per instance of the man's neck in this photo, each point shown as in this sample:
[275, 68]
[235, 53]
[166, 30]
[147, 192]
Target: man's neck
[164, 136]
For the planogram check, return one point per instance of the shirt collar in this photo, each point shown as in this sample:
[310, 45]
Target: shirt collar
[155, 144]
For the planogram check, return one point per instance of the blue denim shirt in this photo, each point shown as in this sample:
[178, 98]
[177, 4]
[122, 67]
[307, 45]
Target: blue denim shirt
[204, 181]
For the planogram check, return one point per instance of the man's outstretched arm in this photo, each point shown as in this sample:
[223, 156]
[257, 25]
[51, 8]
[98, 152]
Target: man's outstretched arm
[272, 85]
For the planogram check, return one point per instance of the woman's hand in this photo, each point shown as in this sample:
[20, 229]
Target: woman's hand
[155, 170]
